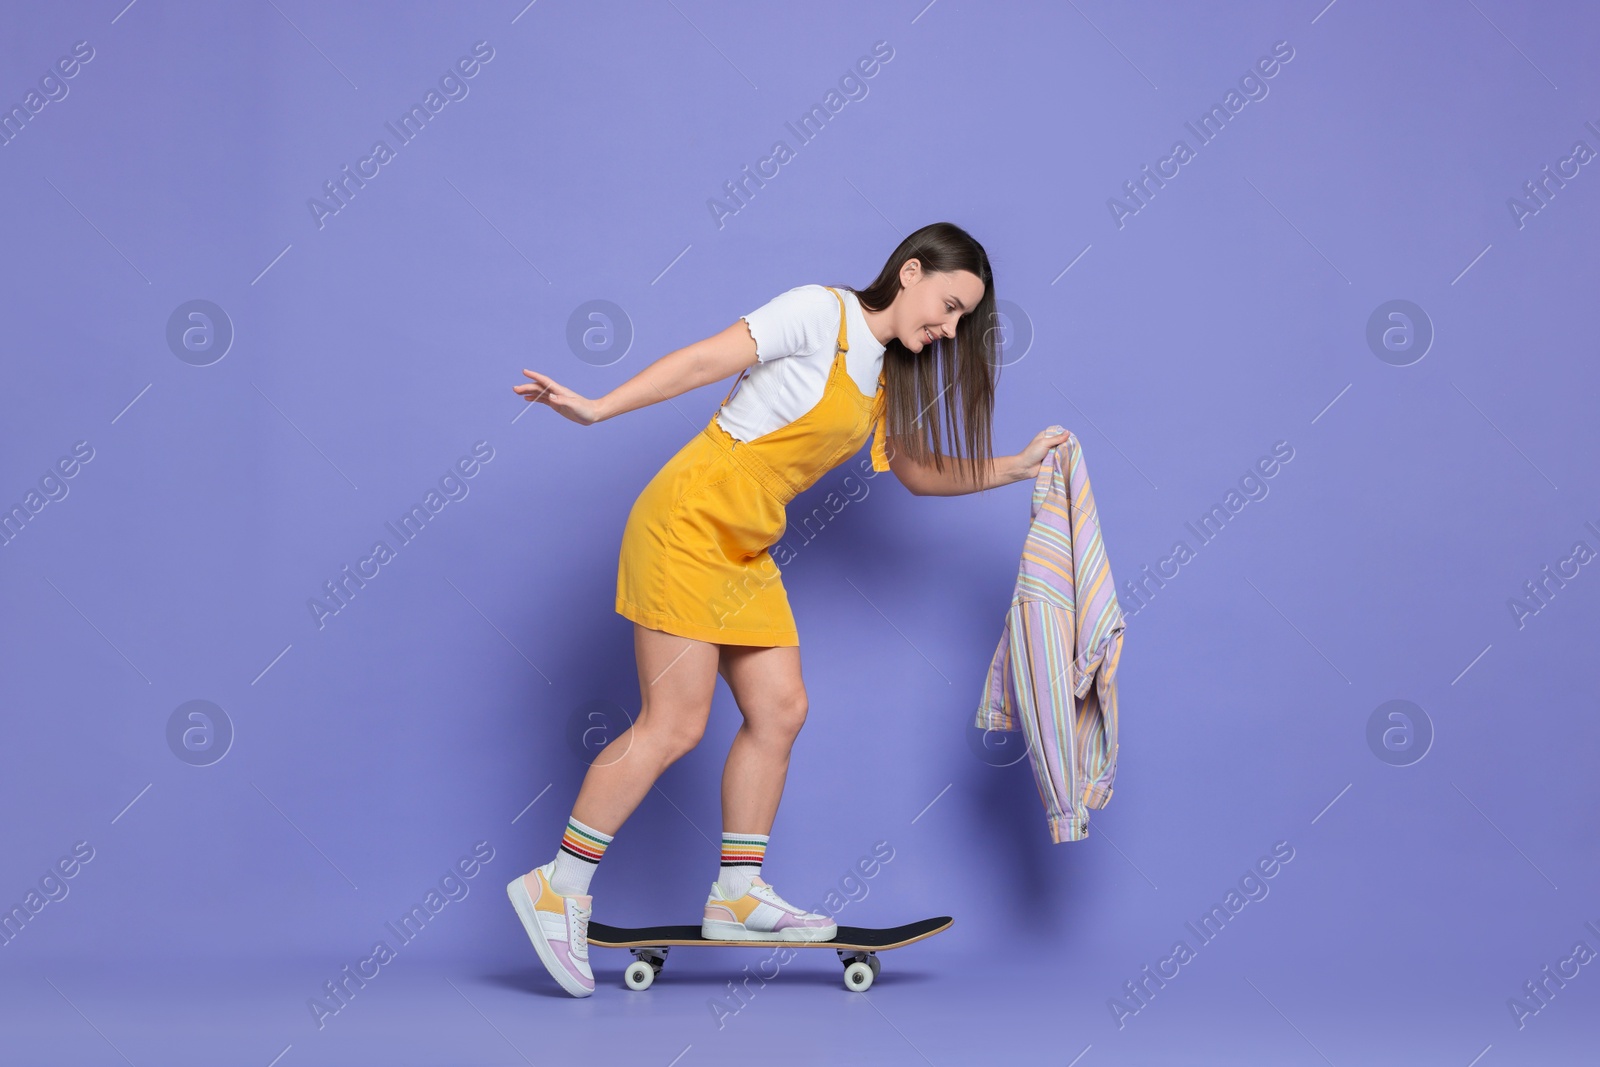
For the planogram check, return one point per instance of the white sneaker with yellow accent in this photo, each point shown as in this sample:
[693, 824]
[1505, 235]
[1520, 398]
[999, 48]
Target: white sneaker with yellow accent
[761, 915]
[558, 926]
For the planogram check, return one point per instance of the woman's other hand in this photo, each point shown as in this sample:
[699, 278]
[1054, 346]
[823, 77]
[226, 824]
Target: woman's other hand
[546, 390]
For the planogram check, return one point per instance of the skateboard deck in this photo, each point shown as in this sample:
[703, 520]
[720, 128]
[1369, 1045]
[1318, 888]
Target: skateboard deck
[857, 946]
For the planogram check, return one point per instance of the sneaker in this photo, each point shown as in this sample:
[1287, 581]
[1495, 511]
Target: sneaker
[761, 915]
[557, 925]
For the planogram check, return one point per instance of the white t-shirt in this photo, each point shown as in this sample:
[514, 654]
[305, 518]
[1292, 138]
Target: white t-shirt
[797, 334]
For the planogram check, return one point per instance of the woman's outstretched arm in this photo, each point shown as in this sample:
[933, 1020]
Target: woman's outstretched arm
[924, 480]
[678, 371]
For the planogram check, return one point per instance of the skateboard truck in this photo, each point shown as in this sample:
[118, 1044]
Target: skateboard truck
[647, 963]
[860, 968]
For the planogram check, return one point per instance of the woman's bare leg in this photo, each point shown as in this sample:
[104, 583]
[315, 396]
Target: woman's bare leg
[677, 676]
[766, 684]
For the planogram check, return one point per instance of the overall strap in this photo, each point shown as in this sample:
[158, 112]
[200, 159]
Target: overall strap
[880, 428]
[844, 340]
[732, 387]
[880, 422]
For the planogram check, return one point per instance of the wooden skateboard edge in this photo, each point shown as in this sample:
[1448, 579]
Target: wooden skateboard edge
[661, 943]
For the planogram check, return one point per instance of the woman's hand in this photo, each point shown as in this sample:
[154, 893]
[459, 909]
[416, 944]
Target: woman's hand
[543, 388]
[1030, 459]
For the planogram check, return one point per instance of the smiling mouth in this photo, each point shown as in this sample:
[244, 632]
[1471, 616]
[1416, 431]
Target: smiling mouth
[928, 334]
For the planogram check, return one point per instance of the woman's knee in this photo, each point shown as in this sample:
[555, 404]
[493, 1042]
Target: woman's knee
[681, 742]
[782, 717]
[674, 736]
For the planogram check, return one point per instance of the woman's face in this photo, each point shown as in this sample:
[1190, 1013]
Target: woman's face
[929, 304]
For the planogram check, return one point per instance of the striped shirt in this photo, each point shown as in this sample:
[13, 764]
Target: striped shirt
[1054, 671]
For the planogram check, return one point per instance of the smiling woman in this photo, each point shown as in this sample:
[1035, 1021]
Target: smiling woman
[453, 86]
[909, 360]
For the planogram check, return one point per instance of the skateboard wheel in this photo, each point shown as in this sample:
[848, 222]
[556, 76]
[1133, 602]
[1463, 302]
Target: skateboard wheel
[872, 961]
[858, 976]
[639, 975]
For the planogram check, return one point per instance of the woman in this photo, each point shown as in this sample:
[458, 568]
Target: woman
[827, 366]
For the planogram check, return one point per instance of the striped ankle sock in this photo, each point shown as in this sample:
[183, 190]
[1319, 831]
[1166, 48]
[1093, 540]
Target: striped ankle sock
[582, 848]
[742, 855]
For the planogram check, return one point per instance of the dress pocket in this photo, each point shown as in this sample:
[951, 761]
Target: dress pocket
[742, 515]
[710, 472]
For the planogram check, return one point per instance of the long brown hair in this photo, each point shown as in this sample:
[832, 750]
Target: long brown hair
[958, 376]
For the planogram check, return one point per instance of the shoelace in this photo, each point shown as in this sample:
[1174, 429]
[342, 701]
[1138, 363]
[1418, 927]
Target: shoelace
[580, 928]
[770, 895]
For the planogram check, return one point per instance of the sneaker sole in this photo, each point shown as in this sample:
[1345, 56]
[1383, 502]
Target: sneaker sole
[721, 930]
[530, 922]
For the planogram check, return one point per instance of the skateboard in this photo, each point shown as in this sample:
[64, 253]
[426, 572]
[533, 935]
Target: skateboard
[857, 946]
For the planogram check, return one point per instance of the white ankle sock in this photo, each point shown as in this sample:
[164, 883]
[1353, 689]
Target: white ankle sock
[582, 848]
[742, 855]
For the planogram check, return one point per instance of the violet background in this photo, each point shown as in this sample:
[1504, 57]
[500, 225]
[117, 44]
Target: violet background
[1228, 314]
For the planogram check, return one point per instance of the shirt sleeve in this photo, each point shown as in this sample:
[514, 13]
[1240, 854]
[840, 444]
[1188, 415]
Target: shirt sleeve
[790, 323]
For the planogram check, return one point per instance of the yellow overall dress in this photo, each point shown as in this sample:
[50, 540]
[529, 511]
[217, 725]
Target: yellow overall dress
[694, 558]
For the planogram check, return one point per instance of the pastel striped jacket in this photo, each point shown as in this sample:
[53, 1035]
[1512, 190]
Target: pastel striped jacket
[1054, 672]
